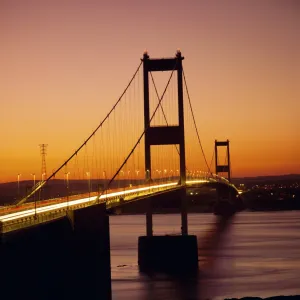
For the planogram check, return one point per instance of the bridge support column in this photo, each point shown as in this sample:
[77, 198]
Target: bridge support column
[184, 218]
[170, 253]
[149, 218]
[68, 258]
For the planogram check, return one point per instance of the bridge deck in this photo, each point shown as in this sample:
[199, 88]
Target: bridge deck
[30, 214]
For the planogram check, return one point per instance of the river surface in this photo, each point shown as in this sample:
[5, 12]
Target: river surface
[253, 254]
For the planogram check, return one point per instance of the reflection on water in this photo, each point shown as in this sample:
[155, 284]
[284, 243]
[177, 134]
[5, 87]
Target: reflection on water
[251, 254]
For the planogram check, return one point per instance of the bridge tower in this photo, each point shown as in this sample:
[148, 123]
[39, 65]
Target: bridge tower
[222, 168]
[178, 253]
[164, 135]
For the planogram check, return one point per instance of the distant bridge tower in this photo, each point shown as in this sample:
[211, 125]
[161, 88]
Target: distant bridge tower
[164, 135]
[222, 168]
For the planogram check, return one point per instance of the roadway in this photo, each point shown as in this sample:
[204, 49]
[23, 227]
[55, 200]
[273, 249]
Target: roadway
[28, 214]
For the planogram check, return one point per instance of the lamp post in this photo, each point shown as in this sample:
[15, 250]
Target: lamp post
[67, 179]
[171, 175]
[19, 184]
[148, 178]
[157, 171]
[129, 182]
[159, 177]
[121, 184]
[34, 199]
[41, 189]
[165, 174]
[88, 174]
[137, 181]
[33, 174]
[104, 175]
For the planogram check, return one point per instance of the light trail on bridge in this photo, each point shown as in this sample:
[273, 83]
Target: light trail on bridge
[104, 197]
[53, 207]
[195, 181]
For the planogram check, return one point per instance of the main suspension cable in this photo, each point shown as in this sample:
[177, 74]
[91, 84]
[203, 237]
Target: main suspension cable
[191, 108]
[139, 139]
[42, 183]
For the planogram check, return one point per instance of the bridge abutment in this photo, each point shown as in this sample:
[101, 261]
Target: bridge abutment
[68, 258]
[91, 250]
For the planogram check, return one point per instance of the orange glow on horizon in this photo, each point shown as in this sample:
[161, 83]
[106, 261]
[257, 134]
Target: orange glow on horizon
[62, 70]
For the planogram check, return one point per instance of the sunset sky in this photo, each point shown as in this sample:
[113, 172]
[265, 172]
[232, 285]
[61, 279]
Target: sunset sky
[63, 64]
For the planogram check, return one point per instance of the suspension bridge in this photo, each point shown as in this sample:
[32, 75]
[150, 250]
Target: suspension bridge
[147, 144]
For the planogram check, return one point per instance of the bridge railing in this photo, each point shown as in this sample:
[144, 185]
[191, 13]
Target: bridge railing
[35, 213]
[56, 208]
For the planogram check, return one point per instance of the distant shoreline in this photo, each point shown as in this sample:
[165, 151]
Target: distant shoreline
[295, 297]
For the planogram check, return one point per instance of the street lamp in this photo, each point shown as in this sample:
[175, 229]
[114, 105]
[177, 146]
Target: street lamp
[121, 178]
[104, 175]
[165, 173]
[34, 199]
[88, 174]
[129, 182]
[67, 178]
[41, 190]
[159, 176]
[147, 174]
[19, 184]
[33, 174]
[148, 178]
[137, 173]
[137, 176]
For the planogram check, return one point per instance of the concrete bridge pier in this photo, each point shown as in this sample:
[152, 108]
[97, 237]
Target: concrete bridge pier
[166, 253]
[68, 258]
[173, 254]
[228, 201]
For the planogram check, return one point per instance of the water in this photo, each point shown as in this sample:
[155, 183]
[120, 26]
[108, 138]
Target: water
[254, 254]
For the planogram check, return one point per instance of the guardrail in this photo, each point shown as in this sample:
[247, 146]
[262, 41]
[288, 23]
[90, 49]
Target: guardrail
[55, 208]
[42, 211]
[30, 214]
